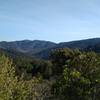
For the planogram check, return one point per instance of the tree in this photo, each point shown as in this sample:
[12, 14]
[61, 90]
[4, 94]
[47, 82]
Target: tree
[12, 87]
[60, 56]
[80, 79]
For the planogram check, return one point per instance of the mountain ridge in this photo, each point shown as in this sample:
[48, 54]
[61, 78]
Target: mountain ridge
[41, 48]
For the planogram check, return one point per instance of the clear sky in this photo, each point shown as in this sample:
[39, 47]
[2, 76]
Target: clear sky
[53, 20]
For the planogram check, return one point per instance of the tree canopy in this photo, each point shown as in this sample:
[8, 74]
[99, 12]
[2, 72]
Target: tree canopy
[80, 77]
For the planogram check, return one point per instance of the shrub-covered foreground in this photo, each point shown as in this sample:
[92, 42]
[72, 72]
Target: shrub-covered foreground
[13, 87]
[68, 75]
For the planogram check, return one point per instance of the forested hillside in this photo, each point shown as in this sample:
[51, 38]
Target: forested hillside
[42, 49]
[27, 46]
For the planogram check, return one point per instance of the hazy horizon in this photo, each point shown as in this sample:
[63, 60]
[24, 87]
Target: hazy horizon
[50, 20]
[48, 40]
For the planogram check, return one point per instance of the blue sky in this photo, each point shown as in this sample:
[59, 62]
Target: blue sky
[53, 20]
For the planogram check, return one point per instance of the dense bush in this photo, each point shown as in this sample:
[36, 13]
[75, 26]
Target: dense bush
[80, 79]
[72, 74]
[13, 87]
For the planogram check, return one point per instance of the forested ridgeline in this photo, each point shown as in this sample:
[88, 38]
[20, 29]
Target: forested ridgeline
[67, 75]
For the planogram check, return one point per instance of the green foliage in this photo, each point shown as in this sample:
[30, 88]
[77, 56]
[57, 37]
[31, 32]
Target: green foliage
[42, 67]
[32, 67]
[59, 58]
[12, 87]
[80, 79]
[75, 75]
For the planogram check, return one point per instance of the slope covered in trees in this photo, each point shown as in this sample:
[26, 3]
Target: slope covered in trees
[41, 49]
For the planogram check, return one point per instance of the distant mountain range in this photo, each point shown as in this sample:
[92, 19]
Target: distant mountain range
[41, 49]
